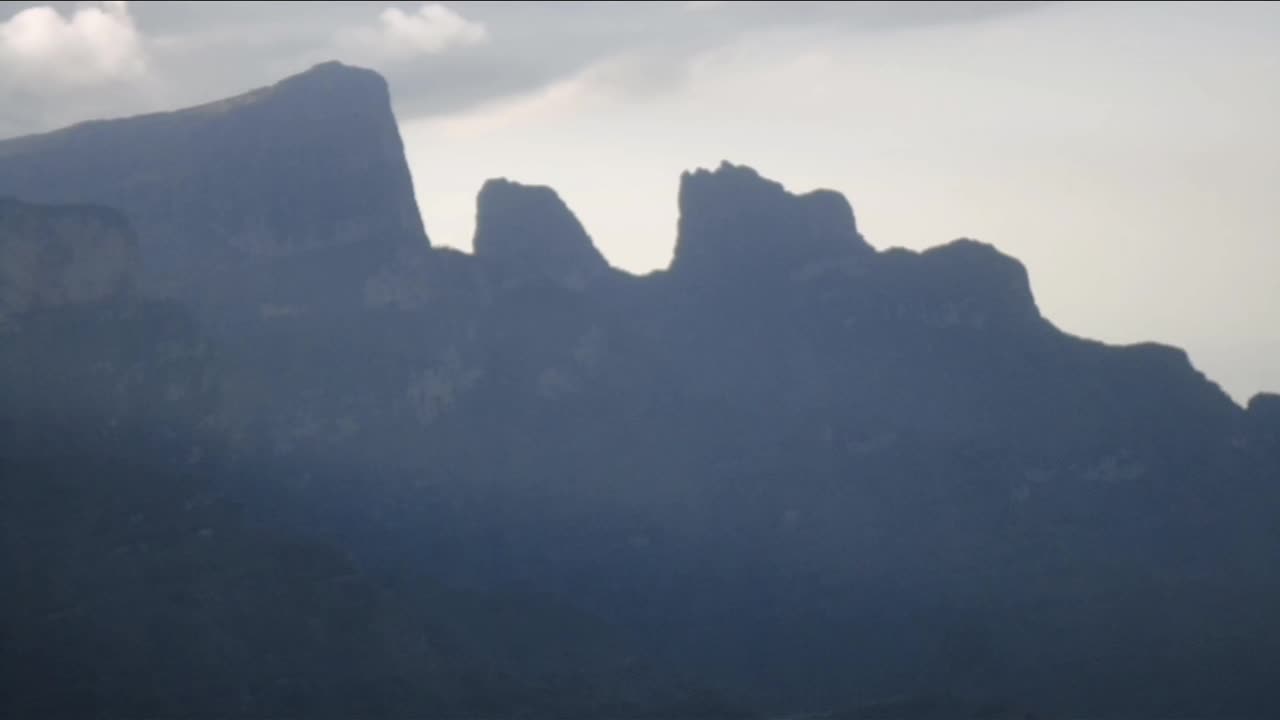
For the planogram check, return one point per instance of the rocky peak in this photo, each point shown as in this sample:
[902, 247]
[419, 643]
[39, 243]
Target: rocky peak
[735, 222]
[1263, 413]
[1266, 405]
[296, 191]
[332, 79]
[980, 276]
[530, 227]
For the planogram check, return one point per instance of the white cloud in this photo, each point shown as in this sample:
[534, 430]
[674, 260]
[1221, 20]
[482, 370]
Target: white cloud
[41, 50]
[399, 36]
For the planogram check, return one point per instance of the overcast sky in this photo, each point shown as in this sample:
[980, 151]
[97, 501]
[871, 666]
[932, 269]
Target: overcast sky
[1125, 152]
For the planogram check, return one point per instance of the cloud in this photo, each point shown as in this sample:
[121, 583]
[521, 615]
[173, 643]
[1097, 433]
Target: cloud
[695, 5]
[400, 35]
[547, 104]
[624, 77]
[43, 51]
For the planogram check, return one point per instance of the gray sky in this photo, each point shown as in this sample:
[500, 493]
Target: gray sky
[1125, 152]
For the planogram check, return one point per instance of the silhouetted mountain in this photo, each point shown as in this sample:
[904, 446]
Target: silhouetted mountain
[249, 204]
[790, 470]
[529, 229]
[734, 223]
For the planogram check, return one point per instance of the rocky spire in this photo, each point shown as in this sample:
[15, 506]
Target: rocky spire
[735, 222]
[530, 227]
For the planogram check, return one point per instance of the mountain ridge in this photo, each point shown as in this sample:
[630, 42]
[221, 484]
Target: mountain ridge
[839, 218]
[792, 469]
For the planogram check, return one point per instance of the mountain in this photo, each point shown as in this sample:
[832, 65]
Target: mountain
[139, 583]
[791, 472]
[733, 224]
[246, 205]
[529, 228]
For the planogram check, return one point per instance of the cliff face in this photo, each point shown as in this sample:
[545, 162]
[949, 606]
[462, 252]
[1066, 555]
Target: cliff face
[63, 256]
[85, 358]
[290, 196]
[736, 226]
[529, 229]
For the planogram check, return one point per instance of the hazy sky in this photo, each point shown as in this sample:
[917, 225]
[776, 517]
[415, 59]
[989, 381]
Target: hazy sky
[1127, 153]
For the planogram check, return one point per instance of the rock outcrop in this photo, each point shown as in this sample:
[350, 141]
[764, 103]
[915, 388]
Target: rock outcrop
[528, 228]
[737, 226]
[289, 196]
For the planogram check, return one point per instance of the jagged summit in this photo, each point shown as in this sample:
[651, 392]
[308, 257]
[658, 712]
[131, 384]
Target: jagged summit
[733, 221]
[530, 227]
[739, 229]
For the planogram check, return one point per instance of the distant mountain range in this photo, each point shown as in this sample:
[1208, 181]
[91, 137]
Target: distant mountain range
[267, 452]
